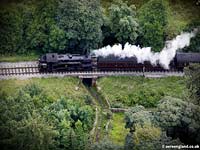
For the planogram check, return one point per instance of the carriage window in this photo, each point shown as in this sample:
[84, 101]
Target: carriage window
[53, 56]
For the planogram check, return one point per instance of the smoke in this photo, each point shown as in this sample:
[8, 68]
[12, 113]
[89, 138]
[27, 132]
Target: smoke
[145, 54]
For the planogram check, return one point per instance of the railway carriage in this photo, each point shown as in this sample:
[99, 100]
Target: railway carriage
[184, 59]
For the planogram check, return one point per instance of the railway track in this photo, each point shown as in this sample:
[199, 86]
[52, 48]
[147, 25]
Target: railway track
[24, 70]
[18, 70]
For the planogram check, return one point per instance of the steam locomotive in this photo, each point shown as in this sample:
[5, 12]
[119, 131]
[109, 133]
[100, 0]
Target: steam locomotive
[53, 62]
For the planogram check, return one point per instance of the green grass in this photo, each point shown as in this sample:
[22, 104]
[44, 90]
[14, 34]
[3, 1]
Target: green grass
[17, 58]
[182, 13]
[129, 91]
[118, 132]
[53, 87]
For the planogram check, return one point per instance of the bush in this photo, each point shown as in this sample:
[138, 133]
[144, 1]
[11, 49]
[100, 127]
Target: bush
[32, 89]
[137, 115]
[144, 133]
[193, 82]
[152, 20]
[179, 118]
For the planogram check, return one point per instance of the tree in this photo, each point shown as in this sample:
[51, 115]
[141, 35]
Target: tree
[43, 26]
[195, 41]
[22, 125]
[137, 115]
[152, 20]
[145, 132]
[10, 29]
[179, 118]
[72, 121]
[81, 136]
[81, 21]
[193, 82]
[121, 23]
[30, 121]
[34, 133]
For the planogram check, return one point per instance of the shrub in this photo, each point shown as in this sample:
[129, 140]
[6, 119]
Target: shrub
[193, 82]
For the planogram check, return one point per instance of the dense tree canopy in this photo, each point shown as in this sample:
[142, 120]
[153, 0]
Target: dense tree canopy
[80, 26]
[153, 20]
[31, 121]
[81, 20]
[121, 23]
[50, 26]
[173, 118]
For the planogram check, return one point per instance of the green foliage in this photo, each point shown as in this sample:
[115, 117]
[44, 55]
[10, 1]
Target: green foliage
[43, 26]
[129, 143]
[81, 22]
[147, 132]
[22, 126]
[153, 19]
[144, 132]
[76, 26]
[27, 26]
[137, 115]
[179, 118]
[105, 144]
[50, 26]
[193, 82]
[31, 121]
[10, 29]
[195, 41]
[194, 44]
[121, 23]
[170, 112]
[118, 132]
[130, 91]
[146, 136]
[72, 121]
[18, 57]
[57, 40]
[33, 133]
[32, 89]
[182, 14]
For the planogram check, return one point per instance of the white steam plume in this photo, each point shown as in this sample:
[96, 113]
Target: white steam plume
[145, 54]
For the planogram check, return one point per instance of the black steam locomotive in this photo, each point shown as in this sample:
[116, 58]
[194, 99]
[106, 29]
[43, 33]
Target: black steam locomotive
[53, 62]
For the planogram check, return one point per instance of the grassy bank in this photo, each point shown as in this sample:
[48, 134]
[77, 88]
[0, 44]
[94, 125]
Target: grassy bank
[17, 58]
[129, 91]
[118, 132]
[54, 87]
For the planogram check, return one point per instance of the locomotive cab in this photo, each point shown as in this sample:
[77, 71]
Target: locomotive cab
[46, 62]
